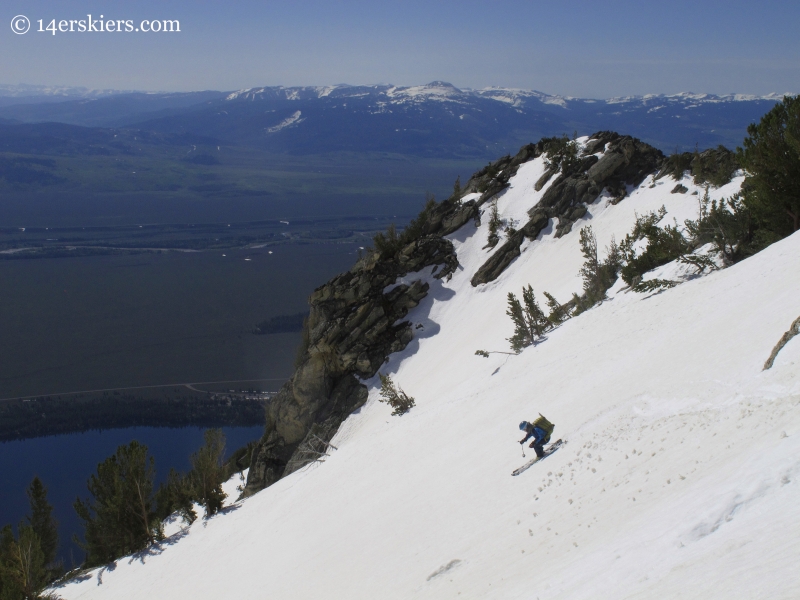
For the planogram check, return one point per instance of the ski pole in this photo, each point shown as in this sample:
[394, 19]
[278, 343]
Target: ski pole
[523, 450]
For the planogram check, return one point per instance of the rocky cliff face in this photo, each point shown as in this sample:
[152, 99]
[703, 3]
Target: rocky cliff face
[353, 326]
[355, 323]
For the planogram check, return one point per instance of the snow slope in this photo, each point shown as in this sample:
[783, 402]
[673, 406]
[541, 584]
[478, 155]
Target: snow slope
[679, 478]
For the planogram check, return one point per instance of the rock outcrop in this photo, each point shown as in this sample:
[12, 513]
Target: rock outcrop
[626, 161]
[715, 166]
[354, 324]
[356, 319]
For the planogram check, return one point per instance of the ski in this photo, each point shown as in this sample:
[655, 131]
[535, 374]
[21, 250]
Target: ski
[548, 451]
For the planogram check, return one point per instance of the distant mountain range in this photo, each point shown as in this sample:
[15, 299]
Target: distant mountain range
[436, 119]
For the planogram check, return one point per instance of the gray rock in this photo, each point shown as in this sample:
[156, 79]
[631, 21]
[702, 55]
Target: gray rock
[627, 161]
[352, 328]
[499, 260]
[606, 166]
[540, 183]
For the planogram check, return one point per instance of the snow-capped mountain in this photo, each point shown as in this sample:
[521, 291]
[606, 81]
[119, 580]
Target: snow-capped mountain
[447, 92]
[437, 119]
[680, 473]
[24, 90]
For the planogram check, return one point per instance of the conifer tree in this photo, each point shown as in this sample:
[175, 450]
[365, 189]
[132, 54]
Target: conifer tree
[558, 313]
[175, 494]
[208, 471]
[590, 271]
[22, 565]
[457, 188]
[120, 519]
[529, 320]
[42, 521]
[537, 321]
[771, 159]
[394, 396]
[494, 225]
[8, 586]
[522, 335]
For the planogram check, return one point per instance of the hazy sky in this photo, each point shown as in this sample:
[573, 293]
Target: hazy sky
[595, 48]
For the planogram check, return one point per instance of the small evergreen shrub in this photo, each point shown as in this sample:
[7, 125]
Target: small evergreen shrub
[651, 285]
[677, 164]
[457, 188]
[715, 167]
[495, 223]
[727, 224]
[561, 153]
[394, 396]
[663, 245]
[389, 243]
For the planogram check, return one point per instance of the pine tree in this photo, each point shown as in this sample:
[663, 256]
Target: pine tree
[598, 276]
[771, 159]
[8, 583]
[457, 188]
[590, 271]
[613, 261]
[558, 313]
[529, 320]
[537, 321]
[120, 519]
[208, 471]
[664, 244]
[522, 335]
[394, 396]
[494, 225]
[42, 521]
[22, 565]
[175, 495]
[727, 224]
[386, 244]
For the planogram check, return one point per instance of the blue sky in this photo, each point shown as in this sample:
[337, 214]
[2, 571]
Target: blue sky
[580, 48]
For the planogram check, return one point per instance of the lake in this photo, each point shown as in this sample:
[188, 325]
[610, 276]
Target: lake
[97, 322]
[65, 462]
[88, 323]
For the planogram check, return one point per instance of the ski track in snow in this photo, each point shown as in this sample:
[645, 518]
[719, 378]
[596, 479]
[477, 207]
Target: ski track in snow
[679, 479]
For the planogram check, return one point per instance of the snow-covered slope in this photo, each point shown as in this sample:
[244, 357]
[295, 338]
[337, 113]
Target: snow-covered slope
[679, 477]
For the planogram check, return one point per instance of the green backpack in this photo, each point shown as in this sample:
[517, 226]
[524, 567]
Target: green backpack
[544, 424]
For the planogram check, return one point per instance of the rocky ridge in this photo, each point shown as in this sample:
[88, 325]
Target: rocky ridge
[355, 319]
[609, 162]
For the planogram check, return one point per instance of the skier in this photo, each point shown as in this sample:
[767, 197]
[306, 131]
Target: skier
[540, 430]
